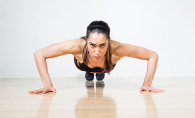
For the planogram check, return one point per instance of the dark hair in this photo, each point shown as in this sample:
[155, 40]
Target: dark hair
[104, 29]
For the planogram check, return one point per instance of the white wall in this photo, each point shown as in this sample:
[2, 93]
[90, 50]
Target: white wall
[164, 26]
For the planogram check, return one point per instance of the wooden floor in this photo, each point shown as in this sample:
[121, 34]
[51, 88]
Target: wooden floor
[118, 98]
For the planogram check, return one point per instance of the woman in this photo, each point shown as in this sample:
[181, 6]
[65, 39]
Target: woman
[95, 53]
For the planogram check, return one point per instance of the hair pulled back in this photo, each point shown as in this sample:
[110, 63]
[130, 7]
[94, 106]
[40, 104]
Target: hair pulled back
[104, 29]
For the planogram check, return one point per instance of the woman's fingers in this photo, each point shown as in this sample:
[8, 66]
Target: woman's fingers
[43, 90]
[54, 90]
[38, 91]
[144, 89]
[31, 91]
[157, 90]
[154, 89]
[49, 90]
[140, 89]
[148, 89]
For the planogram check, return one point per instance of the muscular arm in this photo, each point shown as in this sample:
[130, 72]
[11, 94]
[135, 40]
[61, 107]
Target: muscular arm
[138, 52]
[51, 51]
[62, 48]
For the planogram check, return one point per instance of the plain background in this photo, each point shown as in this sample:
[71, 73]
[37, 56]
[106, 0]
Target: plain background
[164, 26]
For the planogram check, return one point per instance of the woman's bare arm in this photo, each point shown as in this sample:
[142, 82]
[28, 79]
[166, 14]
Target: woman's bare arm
[138, 52]
[51, 51]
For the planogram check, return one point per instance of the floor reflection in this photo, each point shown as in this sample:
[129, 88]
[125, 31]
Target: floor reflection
[95, 105]
[44, 107]
[151, 108]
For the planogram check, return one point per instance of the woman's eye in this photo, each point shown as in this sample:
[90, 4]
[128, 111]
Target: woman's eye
[92, 45]
[102, 45]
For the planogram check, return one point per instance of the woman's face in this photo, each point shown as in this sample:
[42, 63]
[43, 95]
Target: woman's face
[97, 45]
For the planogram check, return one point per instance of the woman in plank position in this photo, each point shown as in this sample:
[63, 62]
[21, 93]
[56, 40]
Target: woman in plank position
[95, 53]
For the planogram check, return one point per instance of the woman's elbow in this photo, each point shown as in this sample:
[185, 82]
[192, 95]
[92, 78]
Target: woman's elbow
[37, 53]
[155, 55]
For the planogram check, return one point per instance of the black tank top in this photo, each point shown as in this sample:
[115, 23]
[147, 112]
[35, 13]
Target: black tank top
[84, 67]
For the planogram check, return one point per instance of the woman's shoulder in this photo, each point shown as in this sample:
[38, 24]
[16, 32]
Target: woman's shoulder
[74, 45]
[115, 45]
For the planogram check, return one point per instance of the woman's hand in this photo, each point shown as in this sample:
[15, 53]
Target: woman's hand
[149, 88]
[44, 90]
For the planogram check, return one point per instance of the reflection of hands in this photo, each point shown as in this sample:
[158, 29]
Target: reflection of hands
[44, 90]
[149, 88]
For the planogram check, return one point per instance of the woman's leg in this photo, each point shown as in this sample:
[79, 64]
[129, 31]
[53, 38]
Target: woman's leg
[100, 76]
[89, 76]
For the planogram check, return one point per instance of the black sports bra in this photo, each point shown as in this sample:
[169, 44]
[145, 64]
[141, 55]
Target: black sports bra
[84, 67]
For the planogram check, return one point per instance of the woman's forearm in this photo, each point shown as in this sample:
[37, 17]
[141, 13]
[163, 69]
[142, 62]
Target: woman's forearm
[151, 68]
[42, 69]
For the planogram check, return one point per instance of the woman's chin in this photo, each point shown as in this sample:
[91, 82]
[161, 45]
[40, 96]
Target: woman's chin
[96, 59]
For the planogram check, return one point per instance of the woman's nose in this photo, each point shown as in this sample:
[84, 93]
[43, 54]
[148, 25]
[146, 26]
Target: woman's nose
[97, 50]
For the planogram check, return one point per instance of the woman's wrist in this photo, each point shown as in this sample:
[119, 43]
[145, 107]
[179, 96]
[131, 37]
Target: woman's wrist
[146, 85]
[47, 82]
[48, 85]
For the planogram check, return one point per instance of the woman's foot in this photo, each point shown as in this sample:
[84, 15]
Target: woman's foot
[100, 76]
[89, 76]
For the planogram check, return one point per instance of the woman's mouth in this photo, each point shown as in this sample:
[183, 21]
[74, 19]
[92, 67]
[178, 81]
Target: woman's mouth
[97, 57]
